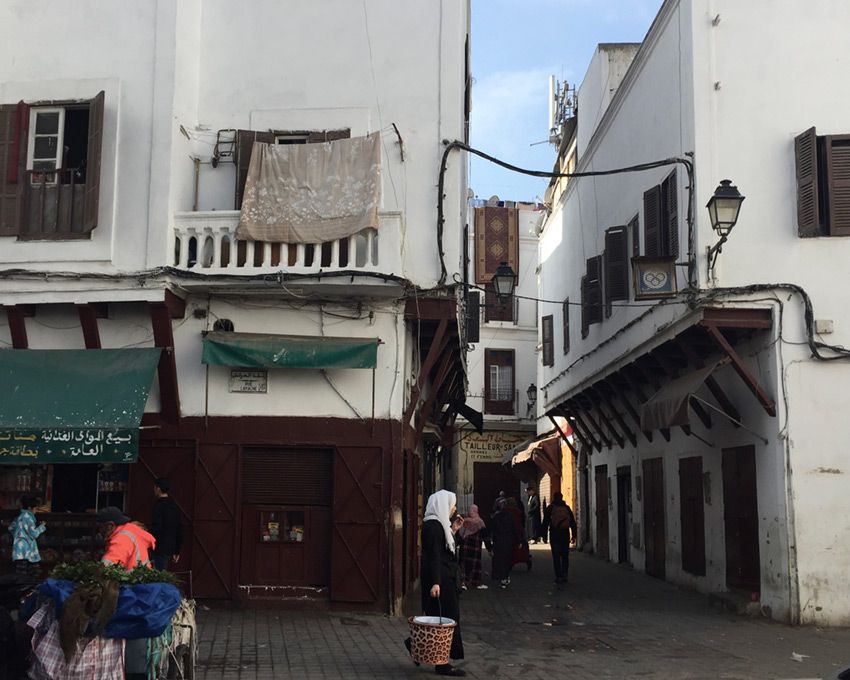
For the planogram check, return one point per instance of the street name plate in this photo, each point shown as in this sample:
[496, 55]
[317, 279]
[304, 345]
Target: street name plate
[252, 382]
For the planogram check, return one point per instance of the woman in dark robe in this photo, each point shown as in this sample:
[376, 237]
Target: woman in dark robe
[439, 570]
[505, 538]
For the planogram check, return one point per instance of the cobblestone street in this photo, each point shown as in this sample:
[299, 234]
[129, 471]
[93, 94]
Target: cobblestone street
[609, 622]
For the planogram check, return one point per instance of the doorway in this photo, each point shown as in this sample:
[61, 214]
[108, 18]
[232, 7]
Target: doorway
[601, 481]
[653, 517]
[488, 479]
[740, 518]
[692, 514]
[624, 513]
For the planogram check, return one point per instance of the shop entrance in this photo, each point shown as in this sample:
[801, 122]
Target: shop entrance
[286, 517]
[653, 517]
[624, 513]
[740, 517]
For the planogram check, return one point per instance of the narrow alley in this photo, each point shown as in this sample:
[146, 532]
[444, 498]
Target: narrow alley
[608, 622]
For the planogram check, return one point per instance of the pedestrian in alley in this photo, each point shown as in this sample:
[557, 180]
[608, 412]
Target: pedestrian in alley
[521, 554]
[25, 530]
[532, 515]
[505, 537]
[473, 533]
[560, 522]
[439, 570]
[165, 526]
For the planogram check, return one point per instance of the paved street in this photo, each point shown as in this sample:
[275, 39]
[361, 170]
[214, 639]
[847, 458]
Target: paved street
[609, 622]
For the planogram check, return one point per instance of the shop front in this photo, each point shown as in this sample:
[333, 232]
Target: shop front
[69, 432]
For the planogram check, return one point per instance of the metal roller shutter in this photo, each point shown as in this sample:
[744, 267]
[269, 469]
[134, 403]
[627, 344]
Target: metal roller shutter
[287, 477]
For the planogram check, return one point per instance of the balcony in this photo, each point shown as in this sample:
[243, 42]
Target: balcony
[206, 242]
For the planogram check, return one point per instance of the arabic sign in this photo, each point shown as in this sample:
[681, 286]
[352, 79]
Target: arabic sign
[255, 382]
[69, 445]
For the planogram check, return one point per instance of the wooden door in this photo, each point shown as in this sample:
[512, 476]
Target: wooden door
[740, 518]
[488, 479]
[357, 549]
[692, 514]
[601, 479]
[624, 513]
[653, 517]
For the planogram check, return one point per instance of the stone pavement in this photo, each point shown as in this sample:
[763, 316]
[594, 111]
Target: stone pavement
[609, 622]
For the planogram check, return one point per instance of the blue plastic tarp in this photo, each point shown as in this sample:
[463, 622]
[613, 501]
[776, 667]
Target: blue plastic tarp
[143, 611]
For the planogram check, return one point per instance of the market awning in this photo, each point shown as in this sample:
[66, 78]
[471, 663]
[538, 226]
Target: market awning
[73, 406]
[670, 406]
[263, 350]
[544, 452]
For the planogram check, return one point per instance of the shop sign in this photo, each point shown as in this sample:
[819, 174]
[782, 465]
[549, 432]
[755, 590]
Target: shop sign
[489, 446]
[252, 382]
[69, 445]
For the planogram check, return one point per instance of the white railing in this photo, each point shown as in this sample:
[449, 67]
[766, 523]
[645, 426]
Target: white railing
[206, 241]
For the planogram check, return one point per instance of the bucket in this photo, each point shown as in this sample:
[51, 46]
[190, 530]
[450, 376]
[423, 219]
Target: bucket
[431, 639]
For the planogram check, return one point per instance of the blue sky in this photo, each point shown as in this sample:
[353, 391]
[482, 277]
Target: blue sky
[516, 45]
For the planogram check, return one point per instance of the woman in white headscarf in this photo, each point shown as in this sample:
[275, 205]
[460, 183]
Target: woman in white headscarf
[439, 569]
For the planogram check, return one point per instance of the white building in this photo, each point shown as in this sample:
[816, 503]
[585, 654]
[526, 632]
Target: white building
[502, 361]
[295, 465]
[708, 420]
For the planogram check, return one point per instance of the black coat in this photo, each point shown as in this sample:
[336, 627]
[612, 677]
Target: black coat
[439, 566]
[505, 536]
[166, 527]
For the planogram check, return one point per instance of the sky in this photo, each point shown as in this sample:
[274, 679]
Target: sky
[516, 46]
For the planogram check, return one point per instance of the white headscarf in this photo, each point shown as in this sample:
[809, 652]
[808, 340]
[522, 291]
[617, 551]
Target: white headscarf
[439, 508]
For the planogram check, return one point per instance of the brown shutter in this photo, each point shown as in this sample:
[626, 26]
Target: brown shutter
[94, 151]
[806, 160]
[287, 477]
[244, 143]
[634, 231]
[496, 241]
[548, 331]
[14, 121]
[492, 404]
[585, 325]
[652, 222]
[473, 317]
[594, 290]
[616, 264]
[670, 221]
[838, 183]
[567, 326]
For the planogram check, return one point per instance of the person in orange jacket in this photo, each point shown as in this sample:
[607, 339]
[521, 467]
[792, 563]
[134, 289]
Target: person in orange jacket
[127, 543]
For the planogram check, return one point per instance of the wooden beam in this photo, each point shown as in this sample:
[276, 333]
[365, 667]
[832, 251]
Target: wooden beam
[702, 414]
[585, 429]
[176, 305]
[565, 413]
[617, 415]
[728, 317]
[710, 382]
[740, 368]
[434, 392]
[430, 309]
[17, 326]
[630, 409]
[88, 322]
[599, 430]
[563, 436]
[638, 390]
[434, 350]
[163, 337]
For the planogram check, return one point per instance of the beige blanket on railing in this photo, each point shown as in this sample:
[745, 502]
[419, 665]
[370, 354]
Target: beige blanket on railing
[311, 193]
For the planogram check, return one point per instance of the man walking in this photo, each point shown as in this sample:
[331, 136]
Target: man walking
[560, 522]
[165, 526]
[532, 515]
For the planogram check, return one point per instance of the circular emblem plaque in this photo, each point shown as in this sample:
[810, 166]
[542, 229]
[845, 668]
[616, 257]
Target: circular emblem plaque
[655, 280]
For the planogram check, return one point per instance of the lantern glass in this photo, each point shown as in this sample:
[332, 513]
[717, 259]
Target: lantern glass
[724, 207]
[532, 393]
[504, 281]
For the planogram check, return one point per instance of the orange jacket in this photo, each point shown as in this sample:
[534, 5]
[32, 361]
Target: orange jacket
[129, 546]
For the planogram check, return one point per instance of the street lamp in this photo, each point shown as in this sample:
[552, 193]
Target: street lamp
[504, 281]
[723, 209]
[531, 393]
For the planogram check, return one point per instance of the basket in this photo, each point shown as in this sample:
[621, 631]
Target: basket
[431, 639]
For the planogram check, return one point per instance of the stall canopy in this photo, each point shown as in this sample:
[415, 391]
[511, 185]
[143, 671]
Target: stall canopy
[73, 406]
[261, 350]
[544, 453]
[670, 406]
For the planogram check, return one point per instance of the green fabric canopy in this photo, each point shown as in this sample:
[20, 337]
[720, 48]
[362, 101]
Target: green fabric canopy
[261, 350]
[73, 406]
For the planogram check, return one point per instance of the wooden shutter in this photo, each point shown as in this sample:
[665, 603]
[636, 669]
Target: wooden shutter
[496, 309]
[616, 265]
[567, 326]
[287, 477]
[473, 317]
[94, 151]
[808, 207]
[838, 183]
[548, 331]
[496, 241]
[652, 222]
[585, 325]
[14, 121]
[499, 399]
[594, 290]
[244, 144]
[634, 233]
[670, 218]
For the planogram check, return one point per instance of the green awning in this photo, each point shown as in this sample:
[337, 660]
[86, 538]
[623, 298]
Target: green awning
[73, 406]
[261, 350]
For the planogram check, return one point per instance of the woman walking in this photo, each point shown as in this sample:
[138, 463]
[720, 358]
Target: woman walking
[505, 538]
[25, 531]
[439, 570]
[472, 533]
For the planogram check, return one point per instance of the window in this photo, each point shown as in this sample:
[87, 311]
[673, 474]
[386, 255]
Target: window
[634, 235]
[547, 326]
[567, 326]
[823, 184]
[591, 295]
[616, 266]
[661, 219]
[496, 309]
[50, 158]
[499, 381]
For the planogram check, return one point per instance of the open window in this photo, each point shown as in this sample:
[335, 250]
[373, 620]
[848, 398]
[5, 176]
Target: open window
[823, 184]
[50, 155]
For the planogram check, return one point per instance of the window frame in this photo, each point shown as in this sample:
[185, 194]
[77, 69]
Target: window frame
[499, 406]
[547, 339]
[34, 112]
